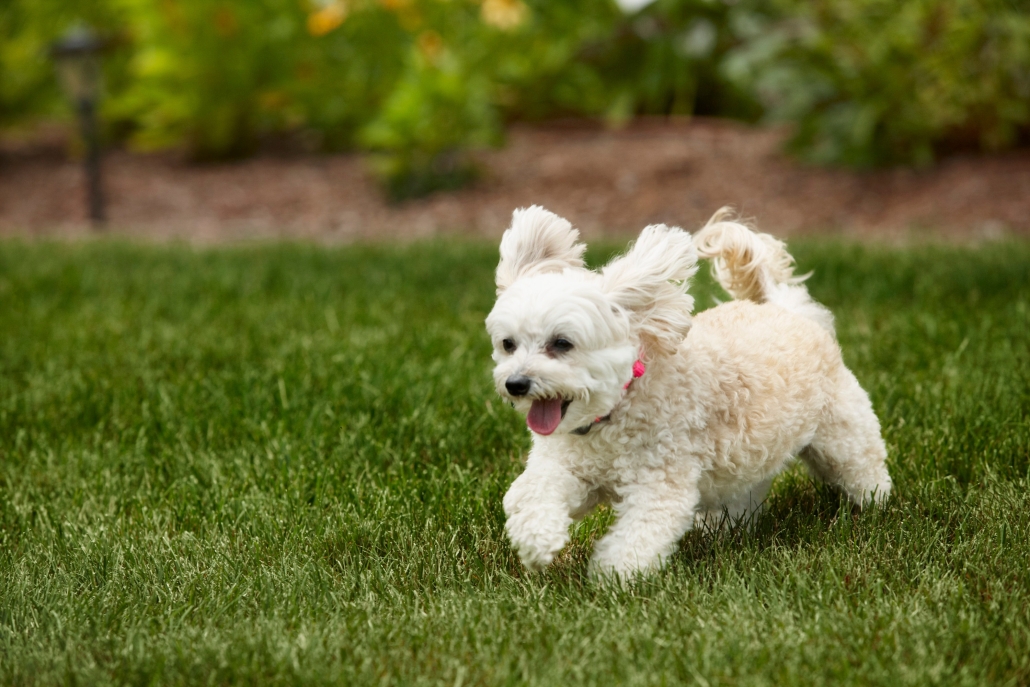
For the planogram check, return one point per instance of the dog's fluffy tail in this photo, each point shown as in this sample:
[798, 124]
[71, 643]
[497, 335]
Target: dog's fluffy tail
[757, 267]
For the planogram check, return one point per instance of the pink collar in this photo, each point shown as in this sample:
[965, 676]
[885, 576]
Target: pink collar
[638, 371]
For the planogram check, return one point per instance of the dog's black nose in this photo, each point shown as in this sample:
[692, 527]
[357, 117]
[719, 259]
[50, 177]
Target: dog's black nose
[517, 385]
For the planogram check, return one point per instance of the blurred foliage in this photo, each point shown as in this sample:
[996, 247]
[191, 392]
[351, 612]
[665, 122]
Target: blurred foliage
[868, 82]
[420, 83]
[28, 84]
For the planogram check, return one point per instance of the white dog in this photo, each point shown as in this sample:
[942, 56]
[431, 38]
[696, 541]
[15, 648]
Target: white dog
[673, 420]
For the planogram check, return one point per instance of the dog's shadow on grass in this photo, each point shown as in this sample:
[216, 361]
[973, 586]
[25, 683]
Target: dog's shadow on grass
[798, 515]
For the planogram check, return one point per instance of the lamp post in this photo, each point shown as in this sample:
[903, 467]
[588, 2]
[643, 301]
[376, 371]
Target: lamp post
[77, 55]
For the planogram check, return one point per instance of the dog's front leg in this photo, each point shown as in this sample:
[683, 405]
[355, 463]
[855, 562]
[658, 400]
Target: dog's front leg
[539, 505]
[652, 517]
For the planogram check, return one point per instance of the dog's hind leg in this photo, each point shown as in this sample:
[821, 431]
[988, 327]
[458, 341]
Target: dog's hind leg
[848, 450]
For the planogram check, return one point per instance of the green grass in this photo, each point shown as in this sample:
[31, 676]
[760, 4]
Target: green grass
[284, 465]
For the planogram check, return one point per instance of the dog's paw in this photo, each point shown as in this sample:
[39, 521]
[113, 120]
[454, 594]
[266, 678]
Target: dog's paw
[538, 539]
[621, 563]
[612, 571]
[535, 560]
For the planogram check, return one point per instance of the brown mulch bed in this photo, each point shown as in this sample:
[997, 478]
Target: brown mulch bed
[604, 181]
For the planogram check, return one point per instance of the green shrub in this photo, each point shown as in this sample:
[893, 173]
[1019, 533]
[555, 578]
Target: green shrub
[218, 76]
[665, 60]
[416, 80]
[28, 83]
[421, 82]
[433, 115]
[869, 82]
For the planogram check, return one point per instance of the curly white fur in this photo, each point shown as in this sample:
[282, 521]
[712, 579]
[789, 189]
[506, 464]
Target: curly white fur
[544, 242]
[729, 397]
[756, 267]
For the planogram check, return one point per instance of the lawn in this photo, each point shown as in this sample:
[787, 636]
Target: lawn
[283, 464]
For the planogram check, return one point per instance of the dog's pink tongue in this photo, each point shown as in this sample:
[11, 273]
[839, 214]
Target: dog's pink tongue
[544, 416]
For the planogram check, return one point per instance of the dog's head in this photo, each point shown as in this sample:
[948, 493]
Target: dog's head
[565, 338]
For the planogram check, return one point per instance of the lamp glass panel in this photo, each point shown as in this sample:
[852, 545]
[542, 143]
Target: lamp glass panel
[80, 74]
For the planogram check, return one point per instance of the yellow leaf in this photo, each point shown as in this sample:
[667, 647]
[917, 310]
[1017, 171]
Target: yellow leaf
[504, 14]
[430, 45]
[326, 19]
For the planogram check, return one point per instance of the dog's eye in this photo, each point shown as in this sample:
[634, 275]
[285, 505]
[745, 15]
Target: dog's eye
[561, 345]
[509, 346]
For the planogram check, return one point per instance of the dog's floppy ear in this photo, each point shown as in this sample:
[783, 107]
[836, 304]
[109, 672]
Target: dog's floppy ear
[538, 241]
[650, 283]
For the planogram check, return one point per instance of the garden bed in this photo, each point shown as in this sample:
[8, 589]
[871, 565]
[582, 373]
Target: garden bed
[605, 181]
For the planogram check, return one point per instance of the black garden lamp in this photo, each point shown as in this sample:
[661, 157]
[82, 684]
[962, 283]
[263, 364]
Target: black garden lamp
[77, 55]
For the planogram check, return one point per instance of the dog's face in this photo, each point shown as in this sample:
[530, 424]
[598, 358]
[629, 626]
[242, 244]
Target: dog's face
[565, 338]
[563, 350]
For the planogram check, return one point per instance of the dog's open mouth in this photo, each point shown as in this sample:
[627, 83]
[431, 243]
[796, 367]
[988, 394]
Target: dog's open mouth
[546, 414]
